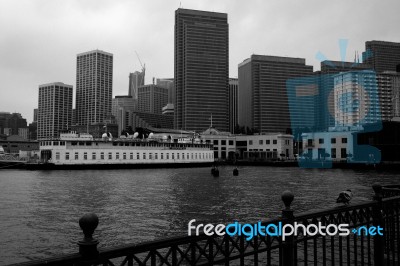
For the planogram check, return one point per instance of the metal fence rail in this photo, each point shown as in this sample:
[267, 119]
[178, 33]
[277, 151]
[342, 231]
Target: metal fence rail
[301, 249]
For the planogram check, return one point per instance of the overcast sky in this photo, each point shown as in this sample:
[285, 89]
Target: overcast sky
[39, 39]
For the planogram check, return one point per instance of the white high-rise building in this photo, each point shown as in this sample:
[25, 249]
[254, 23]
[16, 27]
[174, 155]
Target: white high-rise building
[55, 109]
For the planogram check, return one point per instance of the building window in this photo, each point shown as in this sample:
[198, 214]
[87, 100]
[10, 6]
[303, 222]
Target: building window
[344, 140]
[150, 156]
[321, 141]
[137, 156]
[162, 156]
[131, 156]
[215, 142]
[57, 156]
[343, 153]
[93, 156]
[274, 141]
[267, 141]
[102, 156]
[183, 156]
[333, 140]
[85, 155]
[177, 156]
[230, 142]
[124, 156]
[144, 156]
[187, 156]
[67, 156]
[156, 156]
[76, 156]
[117, 155]
[250, 142]
[110, 156]
[167, 156]
[223, 142]
[173, 156]
[260, 142]
[333, 153]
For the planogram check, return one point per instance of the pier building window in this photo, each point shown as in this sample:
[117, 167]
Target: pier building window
[274, 141]
[124, 156]
[162, 156]
[267, 141]
[156, 156]
[333, 153]
[173, 156]
[333, 140]
[117, 155]
[57, 156]
[230, 142]
[215, 142]
[131, 156]
[167, 156]
[344, 140]
[137, 156]
[144, 156]
[102, 156]
[81, 143]
[187, 156]
[177, 156]
[67, 156]
[343, 153]
[76, 156]
[150, 156]
[93, 156]
[223, 142]
[183, 156]
[321, 141]
[73, 143]
[62, 143]
[55, 143]
[85, 156]
[260, 142]
[110, 156]
[250, 142]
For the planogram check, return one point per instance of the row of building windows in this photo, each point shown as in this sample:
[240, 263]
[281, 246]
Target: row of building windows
[267, 142]
[321, 141]
[130, 156]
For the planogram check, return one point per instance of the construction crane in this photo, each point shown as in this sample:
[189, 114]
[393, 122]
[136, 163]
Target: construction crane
[143, 69]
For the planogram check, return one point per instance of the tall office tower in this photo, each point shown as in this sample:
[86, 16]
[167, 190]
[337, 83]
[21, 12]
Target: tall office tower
[382, 56]
[55, 109]
[263, 99]
[123, 108]
[201, 70]
[35, 114]
[389, 94]
[94, 78]
[136, 79]
[325, 104]
[356, 98]
[168, 84]
[152, 98]
[233, 104]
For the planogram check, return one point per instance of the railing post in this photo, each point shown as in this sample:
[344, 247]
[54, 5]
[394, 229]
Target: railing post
[88, 245]
[288, 245]
[379, 241]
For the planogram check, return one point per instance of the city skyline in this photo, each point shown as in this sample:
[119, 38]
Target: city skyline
[121, 28]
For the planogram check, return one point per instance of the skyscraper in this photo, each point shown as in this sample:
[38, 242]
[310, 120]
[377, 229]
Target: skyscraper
[136, 79]
[382, 56]
[55, 109]
[94, 79]
[201, 70]
[233, 104]
[152, 98]
[123, 108]
[263, 99]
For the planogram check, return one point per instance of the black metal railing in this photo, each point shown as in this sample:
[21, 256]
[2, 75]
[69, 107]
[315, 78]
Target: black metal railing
[302, 249]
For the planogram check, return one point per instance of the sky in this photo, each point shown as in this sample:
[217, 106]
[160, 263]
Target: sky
[39, 39]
